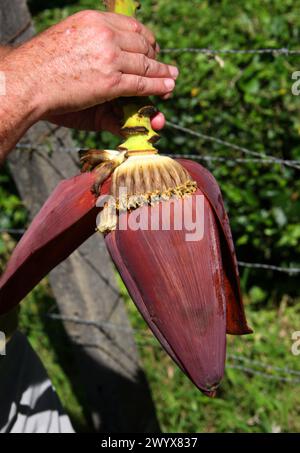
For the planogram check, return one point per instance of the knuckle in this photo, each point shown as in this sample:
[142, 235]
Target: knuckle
[146, 46]
[106, 34]
[143, 42]
[151, 37]
[151, 52]
[146, 65]
[88, 15]
[135, 25]
[140, 85]
[110, 55]
[114, 80]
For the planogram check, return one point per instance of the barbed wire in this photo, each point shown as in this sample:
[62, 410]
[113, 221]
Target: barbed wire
[45, 147]
[274, 377]
[196, 157]
[242, 149]
[239, 358]
[203, 50]
[206, 51]
[271, 267]
[12, 230]
[263, 365]
[230, 160]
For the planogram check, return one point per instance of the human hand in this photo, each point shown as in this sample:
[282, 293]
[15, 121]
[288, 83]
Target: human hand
[86, 60]
[91, 58]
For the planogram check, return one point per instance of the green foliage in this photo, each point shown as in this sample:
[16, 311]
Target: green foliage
[247, 101]
[12, 210]
[12, 214]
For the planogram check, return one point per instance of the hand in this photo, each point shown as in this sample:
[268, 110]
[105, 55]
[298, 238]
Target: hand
[103, 117]
[86, 60]
[91, 58]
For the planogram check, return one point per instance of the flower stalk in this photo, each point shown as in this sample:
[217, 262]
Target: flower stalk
[126, 7]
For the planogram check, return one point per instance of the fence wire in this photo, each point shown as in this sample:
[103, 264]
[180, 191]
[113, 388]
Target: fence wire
[206, 51]
[274, 377]
[231, 145]
[266, 371]
[263, 365]
[232, 160]
[288, 270]
[261, 159]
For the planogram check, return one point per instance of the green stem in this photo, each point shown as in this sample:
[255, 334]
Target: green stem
[127, 7]
[137, 130]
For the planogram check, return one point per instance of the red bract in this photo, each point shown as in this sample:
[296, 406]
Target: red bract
[64, 222]
[235, 314]
[187, 291]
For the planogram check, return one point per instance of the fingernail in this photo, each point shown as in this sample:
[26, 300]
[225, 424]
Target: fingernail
[173, 71]
[157, 47]
[169, 84]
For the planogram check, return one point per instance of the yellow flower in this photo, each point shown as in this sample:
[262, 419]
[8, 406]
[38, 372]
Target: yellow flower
[282, 91]
[194, 92]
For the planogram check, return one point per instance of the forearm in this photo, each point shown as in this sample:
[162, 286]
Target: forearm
[4, 50]
[18, 101]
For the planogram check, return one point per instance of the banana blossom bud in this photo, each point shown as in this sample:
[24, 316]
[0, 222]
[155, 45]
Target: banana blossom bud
[168, 235]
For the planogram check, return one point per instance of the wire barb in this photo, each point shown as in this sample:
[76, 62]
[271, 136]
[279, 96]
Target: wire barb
[205, 51]
[232, 145]
[288, 270]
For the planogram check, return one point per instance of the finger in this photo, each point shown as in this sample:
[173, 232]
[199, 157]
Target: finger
[133, 42]
[138, 64]
[134, 85]
[158, 121]
[125, 23]
[167, 96]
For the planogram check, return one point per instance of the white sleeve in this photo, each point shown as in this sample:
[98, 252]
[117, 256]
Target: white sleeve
[28, 401]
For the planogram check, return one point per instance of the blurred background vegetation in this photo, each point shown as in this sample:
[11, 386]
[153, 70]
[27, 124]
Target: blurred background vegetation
[245, 99]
